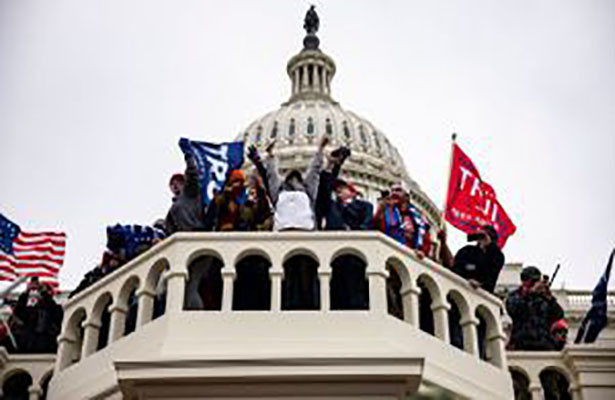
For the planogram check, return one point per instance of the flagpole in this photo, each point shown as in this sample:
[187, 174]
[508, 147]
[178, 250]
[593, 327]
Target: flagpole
[448, 182]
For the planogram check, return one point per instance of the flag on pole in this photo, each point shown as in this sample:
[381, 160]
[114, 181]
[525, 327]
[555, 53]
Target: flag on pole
[30, 254]
[214, 162]
[596, 318]
[472, 203]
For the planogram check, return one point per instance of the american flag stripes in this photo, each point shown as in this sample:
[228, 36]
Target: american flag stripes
[39, 254]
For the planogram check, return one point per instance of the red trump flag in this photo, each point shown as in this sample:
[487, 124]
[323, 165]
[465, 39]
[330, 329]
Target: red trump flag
[471, 203]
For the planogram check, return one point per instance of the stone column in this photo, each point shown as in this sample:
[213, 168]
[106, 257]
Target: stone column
[35, 391]
[304, 84]
[325, 289]
[145, 310]
[295, 79]
[90, 337]
[497, 344]
[575, 392]
[276, 275]
[228, 280]
[65, 350]
[315, 79]
[117, 327]
[470, 336]
[410, 301]
[377, 290]
[440, 319]
[176, 289]
[536, 392]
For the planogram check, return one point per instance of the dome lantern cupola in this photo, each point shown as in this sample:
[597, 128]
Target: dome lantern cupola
[311, 70]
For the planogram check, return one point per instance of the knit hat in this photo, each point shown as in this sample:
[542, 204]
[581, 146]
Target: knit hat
[178, 176]
[559, 324]
[530, 273]
[236, 175]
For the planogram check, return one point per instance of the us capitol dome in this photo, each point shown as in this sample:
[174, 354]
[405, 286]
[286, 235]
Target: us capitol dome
[311, 112]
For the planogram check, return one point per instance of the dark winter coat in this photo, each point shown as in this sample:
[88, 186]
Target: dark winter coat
[471, 262]
[532, 314]
[186, 214]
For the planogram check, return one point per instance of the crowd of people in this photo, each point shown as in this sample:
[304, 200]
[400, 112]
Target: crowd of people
[320, 200]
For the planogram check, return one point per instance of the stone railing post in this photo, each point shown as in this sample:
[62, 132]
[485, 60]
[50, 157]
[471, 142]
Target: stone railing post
[497, 344]
[470, 336]
[228, 280]
[410, 301]
[176, 290]
[145, 309]
[65, 352]
[35, 392]
[117, 326]
[90, 337]
[440, 318]
[325, 289]
[536, 391]
[276, 275]
[377, 277]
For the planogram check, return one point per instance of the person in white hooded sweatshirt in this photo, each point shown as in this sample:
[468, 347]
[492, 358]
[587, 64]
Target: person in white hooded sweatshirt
[294, 197]
[294, 201]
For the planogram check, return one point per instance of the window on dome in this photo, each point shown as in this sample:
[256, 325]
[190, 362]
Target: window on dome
[328, 127]
[376, 141]
[346, 131]
[259, 134]
[291, 128]
[274, 130]
[362, 134]
[310, 126]
[246, 135]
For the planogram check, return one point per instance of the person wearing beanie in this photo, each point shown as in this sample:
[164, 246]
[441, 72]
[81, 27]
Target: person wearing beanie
[186, 212]
[535, 314]
[479, 263]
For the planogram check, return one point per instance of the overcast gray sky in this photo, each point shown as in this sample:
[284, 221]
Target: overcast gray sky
[94, 96]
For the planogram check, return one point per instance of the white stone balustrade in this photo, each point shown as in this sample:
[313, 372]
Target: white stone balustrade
[170, 260]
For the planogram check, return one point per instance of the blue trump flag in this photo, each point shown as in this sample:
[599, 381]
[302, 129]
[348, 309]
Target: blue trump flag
[596, 319]
[214, 162]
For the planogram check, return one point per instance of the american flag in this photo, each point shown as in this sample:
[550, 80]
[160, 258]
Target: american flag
[39, 254]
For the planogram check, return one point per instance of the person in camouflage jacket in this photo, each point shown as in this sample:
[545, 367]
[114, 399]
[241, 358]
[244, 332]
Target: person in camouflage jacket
[533, 310]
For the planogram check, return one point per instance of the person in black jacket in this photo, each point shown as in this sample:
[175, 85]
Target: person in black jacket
[348, 212]
[479, 263]
[534, 311]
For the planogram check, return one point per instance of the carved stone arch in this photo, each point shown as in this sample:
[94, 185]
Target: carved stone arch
[101, 304]
[402, 271]
[252, 284]
[301, 283]
[349, 287]
[347, 250]
[131, 284]
[300, 251]
[489, 335]
[200, 253]
[556, 383]
[73, 323]
[155, 274]
[15, 383]
[425, 281]
[460, 301]
[10, 373]
[459, 317]
[521, 383]
[252, 251]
